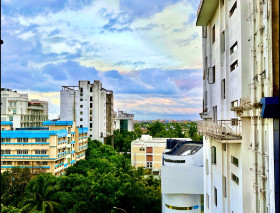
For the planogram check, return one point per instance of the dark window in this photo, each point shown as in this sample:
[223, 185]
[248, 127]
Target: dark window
[235, 178]
[224, 88]
[225, 186]
[90, 98]
[213, 34]
[81, 89]
[207, 201]
[234, 161]
[234, 6]
[223, 46]
[81, 106]
[215, 113]
[234, 65]
[233, 48]
[81, 119]
[211, 75]
[213, 153]
[215, 196]
[90, 125]
[90, 89]
[224, 146]
[90, 105]
[205, 69]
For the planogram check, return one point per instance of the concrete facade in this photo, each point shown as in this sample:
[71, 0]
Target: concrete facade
[21, 111]
[238, 142]
[52, 148]
[86, 104]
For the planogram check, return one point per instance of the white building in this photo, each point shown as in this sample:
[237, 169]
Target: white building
[124, 121]
[86, 105]
[239, 72]
[182, 178]
[23, 112]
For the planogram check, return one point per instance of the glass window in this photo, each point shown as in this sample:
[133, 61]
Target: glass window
[10, 118]
[9, 162]
[215, 196]
[233, 48]
[213, 152]
[25, 152]
[45, 163]
[37, 152]
[211, 75]
[233, 8]
[234, 161]
[234, 65]
[43, 152]
[19, 152]
[213, 34]
[235, 178]
[25, 139]
[225, 186]
[8, 152]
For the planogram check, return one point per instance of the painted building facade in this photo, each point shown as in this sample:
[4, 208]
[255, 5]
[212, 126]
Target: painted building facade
[87, 105]
[52, 148]
[147, 152]
[182, 177]
[238, 83]
[21, 111]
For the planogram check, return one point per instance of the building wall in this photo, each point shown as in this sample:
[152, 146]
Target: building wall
[17, 107]
[89, 108]
[250, 26]
[64, 145]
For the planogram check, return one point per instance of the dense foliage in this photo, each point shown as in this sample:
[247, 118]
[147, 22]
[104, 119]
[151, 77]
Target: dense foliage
[104, 180]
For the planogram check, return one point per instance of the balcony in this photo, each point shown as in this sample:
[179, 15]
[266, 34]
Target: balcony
[221, 129]
[205, 11]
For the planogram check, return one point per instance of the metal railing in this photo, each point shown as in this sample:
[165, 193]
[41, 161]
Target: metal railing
[221, 129]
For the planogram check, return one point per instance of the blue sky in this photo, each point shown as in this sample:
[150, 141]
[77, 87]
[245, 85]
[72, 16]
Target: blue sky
[147, 52]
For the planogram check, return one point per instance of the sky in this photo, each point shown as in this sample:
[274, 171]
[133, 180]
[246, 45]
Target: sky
[147, 52]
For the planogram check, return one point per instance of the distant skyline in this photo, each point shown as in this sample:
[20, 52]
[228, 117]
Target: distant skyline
[147, 52]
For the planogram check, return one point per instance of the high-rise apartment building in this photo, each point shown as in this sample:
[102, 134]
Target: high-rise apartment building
[52, 148]
[89, 105]
[21, 111]
[240, 99]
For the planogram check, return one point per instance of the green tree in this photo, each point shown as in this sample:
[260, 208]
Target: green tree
[41, 195]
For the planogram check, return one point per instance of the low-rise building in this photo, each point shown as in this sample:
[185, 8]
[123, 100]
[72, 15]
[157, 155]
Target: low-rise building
[21, 111]
[124, 121]
[52, 148]
[147, 152]
[182, 177]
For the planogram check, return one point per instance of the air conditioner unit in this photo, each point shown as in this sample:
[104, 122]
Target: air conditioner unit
[234, 121]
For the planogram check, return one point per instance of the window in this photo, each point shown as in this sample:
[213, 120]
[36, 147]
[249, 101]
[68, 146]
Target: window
[235, 178]
[211, 75]
[213, 153]
[225, 186]
[9, 162]
[45, 163]
[19, 152]
[233, 8]
[81, 99]
[90, 89]
[215, 196]
[90, 105]
[37, 152]
[205, 69]
[213, 34]
[223, 90]
[25, 140]
[205, 98]
[14, 111]
[234, 161]
[25, 152]
[223, 47]
[90, 125]
[26, 162]
[142, 149]
[215, 113]
[81, 119]
[10, 118]
[233, 48]
[207, 200]
[204, 32]
[81, 106]
[90, 98]
[43, 152]
[81, 89]
[234, 65]
[8, 152]
[2, 152]
[149, 164]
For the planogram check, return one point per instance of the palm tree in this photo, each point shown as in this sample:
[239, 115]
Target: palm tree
[40, 195]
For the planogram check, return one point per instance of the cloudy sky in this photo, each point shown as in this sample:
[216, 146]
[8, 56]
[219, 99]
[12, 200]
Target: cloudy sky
[147, 52]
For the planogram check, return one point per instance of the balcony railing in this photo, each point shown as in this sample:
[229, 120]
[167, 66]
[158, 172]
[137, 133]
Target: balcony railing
[221, 129]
